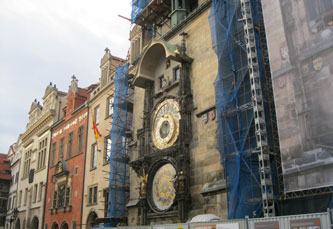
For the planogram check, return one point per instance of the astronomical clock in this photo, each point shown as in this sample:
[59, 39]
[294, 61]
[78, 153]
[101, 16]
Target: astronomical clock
[163, 143]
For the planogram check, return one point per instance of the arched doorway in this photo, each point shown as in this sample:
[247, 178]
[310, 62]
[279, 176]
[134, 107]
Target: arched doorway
[18, 224]
[34, 223]
[91, 220]
[64, 225]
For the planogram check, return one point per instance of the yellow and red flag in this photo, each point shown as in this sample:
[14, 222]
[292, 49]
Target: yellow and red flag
[96, 131]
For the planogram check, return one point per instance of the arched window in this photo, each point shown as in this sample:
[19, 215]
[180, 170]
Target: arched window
[64, 225]
[55, 226]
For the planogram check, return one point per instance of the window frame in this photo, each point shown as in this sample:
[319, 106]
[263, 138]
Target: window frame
[109, 105]
[70, 144]
[27, 162]
[80, 139]
[61, 149]
[96, 115]
[34, 198]
[42, 153]
[174, 73]
[93, 195]
[53, 153]
[107, 149]
[93, 162]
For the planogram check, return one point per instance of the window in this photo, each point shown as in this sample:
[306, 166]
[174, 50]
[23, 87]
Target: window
[61, 149]
[27, 160]
[6, 162]
[6, 171]
[67, 196]
[76, 170]
[54, 150]
[80, 139]
[70, 145]
[107, 149]
[20, 199]
[55, 195]
[176, 73]
[93, 156]
[17, 177]
[40, 191]
[319, 14]
[14, 202]
[35, 193]
[61, 197]
[42, 153]
[9, 203]
[25, 197]
[110, 106]
[74, 225]
[96, 115]
[93, 195]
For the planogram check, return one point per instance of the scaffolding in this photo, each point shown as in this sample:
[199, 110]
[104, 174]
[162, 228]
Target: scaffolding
[246, 126]
[137, 7]
[120, 131]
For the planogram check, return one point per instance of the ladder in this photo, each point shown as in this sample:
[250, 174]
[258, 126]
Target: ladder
[258, 109]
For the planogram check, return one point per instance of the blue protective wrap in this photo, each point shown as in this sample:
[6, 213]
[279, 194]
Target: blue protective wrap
[137, 7]
[118, 181]
[236, 141]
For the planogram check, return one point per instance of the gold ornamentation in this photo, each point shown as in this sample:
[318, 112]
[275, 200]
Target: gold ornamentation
[166, 124]
[163, 187]
[143, 186]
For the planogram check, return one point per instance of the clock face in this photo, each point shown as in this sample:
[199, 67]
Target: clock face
[163, 193]
[166, 124]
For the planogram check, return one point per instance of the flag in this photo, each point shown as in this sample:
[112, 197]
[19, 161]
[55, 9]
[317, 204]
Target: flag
[96, 131]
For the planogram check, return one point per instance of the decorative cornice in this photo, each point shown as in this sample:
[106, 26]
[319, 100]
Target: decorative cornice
[36, 127]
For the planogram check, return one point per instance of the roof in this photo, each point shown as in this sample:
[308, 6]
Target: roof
[62, 93]
[205, 218]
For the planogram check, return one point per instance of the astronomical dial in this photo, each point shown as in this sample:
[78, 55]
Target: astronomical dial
[163, 191]
[166, 124]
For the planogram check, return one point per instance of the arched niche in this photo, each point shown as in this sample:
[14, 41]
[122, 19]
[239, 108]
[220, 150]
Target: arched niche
[153, 61]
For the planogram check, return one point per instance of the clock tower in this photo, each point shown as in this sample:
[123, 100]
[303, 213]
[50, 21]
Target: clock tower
[162, 163]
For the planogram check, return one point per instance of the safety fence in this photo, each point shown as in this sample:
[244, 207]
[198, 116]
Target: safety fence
[306, 221]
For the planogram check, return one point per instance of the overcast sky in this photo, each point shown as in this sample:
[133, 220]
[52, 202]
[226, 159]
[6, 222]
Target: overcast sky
[43, 41]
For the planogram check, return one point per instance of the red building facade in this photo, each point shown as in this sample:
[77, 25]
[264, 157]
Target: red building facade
[64, 195]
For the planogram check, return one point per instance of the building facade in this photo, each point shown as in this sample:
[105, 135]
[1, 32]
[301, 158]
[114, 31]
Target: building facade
[5, 180]
[35, 156]
[299, 38]
[176, 171]
[63, 206]
[14, 156]
[96, 179]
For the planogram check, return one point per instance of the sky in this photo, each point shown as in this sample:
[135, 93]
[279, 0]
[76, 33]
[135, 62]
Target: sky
[43, 41]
